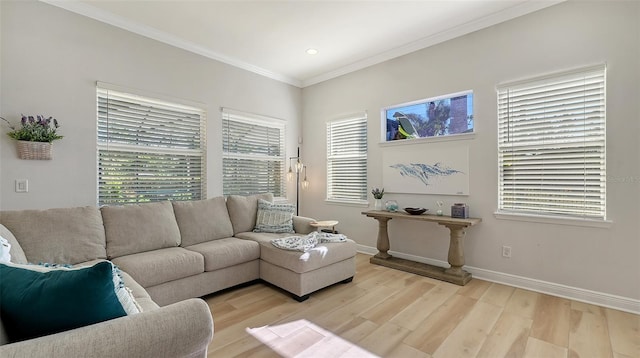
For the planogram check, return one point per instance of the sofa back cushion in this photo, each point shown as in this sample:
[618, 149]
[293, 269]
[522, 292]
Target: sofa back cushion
[17, 254]
[63, 235]
[202, 220]
[243, 210]
[139, 227]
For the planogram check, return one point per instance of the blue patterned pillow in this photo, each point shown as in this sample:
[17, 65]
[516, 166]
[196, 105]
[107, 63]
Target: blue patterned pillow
[38, 301]
[275, 218]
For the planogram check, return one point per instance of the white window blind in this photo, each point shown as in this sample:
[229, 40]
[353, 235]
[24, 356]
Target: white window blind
[347, 159]
[148, 150]
[253, 154]
[551, 145]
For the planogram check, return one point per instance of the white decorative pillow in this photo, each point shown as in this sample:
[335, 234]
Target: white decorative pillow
[124, 293]
[17, 254]
[275, 218]
[5, 248]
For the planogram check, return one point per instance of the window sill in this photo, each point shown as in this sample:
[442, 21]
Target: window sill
[604, 224]
[445, 138]
[347, 203]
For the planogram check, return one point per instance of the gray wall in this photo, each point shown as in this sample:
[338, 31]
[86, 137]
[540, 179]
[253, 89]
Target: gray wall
[50, 62]
[566, 36]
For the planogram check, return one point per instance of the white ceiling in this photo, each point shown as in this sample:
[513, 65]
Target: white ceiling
[270, 37]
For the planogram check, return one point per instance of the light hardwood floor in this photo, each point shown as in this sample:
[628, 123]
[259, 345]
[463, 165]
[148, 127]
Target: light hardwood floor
[390, 313]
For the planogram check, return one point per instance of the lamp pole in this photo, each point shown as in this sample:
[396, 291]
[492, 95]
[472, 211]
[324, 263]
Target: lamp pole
[298, 185]
[299, 168]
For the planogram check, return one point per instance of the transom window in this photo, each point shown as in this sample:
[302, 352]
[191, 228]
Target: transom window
[551, 145]
[347, 159]
[253, 154]
[148, 149]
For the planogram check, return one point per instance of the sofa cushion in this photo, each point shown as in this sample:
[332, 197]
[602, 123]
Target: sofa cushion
[145, 303]
[243, 210]
[37, 303]
[17, 254]
[226, 252]
[261, 237]
[63, 235]
[131, 229]
[300, 262]
[202, 220]
[155, 267]
[274, 217]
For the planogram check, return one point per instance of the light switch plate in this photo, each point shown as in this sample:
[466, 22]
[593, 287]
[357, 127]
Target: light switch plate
[22, 186]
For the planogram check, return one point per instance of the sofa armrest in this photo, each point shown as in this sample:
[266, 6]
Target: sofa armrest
[183, 329]
[301, 224]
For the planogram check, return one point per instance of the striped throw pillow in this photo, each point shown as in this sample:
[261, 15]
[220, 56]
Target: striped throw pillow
[275, 218]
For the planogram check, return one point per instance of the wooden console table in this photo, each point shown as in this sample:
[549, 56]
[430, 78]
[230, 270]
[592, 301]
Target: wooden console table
[454, 274]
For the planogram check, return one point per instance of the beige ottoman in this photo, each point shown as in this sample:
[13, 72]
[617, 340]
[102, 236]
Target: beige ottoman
[302, 273]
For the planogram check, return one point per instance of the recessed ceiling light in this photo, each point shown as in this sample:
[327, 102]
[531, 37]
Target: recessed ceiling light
[312, 51]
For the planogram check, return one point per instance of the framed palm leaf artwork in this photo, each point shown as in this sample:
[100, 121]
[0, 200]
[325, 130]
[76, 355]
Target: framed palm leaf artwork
[426, 169]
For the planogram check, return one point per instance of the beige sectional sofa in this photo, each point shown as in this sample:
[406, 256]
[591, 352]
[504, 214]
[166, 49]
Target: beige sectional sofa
[170, 253]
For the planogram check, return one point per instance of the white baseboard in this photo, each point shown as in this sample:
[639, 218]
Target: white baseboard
[555, 289]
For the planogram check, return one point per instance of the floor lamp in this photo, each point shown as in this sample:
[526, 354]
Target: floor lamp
[299, 169]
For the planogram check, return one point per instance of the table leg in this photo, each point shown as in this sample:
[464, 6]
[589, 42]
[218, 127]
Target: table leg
[456, 250]
[383, 238]
[454, 273]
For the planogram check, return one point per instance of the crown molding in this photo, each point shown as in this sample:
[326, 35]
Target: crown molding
[466, 28]
[155, 34]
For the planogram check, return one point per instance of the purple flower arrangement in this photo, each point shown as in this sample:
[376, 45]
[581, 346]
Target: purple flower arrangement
[377, 193]
[35, 129]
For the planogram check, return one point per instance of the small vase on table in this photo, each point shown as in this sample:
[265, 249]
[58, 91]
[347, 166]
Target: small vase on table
[377, 196]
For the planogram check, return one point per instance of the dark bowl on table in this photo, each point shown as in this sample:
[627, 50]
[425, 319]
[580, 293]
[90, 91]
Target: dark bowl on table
[415, 211]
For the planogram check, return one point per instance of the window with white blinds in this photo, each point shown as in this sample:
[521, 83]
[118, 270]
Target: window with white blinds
[253, 154]
[148, 149]
[347, 159]
[551, 145]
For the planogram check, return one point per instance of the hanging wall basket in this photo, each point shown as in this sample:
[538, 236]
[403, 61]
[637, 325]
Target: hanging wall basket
[34, 150]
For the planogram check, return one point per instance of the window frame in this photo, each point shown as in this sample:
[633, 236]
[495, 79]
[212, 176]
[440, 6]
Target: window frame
[414, 116]
[243, 117]
[360, 119]
[557, 133]
[163, 151]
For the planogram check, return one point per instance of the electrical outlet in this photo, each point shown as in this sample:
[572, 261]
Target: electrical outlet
[506, 251]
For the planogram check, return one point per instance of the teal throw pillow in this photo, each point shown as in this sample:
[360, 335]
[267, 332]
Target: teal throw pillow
[275, 218]
[34, 303]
